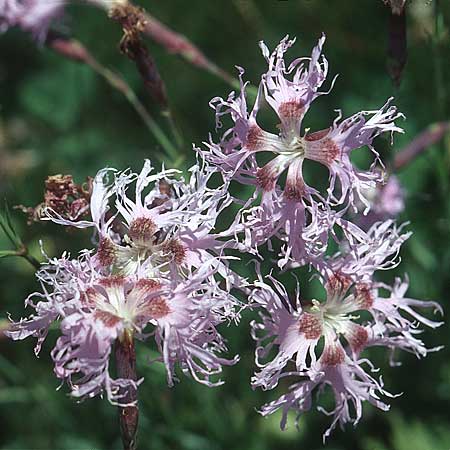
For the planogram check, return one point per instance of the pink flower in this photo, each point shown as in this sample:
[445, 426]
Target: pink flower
[325, 339]
[231, 154]
[291, 100]
[34, 16]
[9, 10]
[390, 200]
[186, 328]
[96, 308]
[386, 201]
[349, 383]
[156, 272]
[285, 211]
[165, 222]
[302, 229]
[160, 267]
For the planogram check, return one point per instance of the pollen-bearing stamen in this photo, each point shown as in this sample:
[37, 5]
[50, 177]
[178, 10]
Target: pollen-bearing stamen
[142, 230]
[106, 252]
[175, 250]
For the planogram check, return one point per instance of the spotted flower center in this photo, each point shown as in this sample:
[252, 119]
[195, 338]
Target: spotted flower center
[333, 319]
[142, 230]
[115, 299]
[291, 150]
[333, 316]
[144, 241]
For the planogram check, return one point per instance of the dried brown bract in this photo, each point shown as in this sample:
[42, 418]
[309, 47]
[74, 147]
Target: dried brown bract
[133, 22]
[63, 196]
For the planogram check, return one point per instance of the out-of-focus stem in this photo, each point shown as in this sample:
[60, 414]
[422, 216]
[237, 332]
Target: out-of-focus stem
[174, 42]
[438, 72]
[126, 368]
[434, 133]
[438, 39]
[397, 45]
[74, 50]
[134, 48]
[178, 44]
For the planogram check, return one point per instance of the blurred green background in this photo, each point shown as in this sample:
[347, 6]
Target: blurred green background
[57, 116]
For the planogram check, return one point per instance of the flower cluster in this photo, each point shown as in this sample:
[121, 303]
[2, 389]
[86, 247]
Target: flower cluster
[161, 265]
[318, 343]
[157, 263]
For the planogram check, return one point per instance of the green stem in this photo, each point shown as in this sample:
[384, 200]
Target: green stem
[32, 260]
[75, 51]
[151, 124]
[438, 72]
[167, 114]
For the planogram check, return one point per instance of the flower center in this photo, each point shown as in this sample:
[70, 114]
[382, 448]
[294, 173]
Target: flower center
[320, 315]
[157, 308]
[142, 230]
[298, 146]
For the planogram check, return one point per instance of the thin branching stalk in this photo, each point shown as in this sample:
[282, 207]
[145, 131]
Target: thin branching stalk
[433, 134]
[176, 43]
[24, 253]
[135, 49]
[74, 50]
[21, 250]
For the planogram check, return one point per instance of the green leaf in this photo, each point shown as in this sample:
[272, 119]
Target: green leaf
[56, 96]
